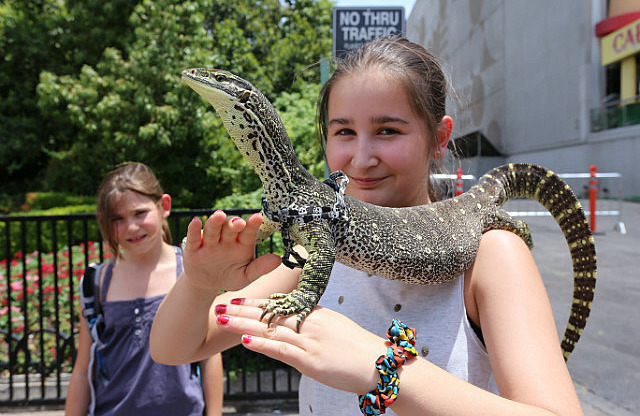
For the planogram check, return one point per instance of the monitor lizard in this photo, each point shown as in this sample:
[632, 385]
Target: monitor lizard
[426, 244]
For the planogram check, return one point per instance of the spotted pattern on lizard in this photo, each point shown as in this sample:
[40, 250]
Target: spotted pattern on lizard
[427, 244]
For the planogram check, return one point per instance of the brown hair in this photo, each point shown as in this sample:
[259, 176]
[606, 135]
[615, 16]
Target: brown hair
[129, 176]
[413, 66]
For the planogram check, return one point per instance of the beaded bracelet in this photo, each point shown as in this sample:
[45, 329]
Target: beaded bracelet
[403, 340]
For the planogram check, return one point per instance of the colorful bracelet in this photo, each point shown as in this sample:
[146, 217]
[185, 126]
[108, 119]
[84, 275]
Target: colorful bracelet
[403, 340]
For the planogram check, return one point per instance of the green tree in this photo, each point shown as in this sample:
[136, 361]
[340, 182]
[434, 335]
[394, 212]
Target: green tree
[131, 105]
[46, 35]
[30, 40]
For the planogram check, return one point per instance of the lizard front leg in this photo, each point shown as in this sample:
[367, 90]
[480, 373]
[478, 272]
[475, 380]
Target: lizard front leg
[266, 229]
[319, 242]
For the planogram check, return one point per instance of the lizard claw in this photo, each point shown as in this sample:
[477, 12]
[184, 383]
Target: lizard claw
[286, 304]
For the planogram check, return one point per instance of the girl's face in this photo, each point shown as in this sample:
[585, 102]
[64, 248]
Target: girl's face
[137, 221]
[378, 141]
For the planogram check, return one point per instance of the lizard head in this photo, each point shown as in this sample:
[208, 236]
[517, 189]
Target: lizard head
[252, 123]
[217, 86]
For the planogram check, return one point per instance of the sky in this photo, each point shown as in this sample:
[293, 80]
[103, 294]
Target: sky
[408, 4]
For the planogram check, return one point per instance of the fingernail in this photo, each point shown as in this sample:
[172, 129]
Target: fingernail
[246, 339]
[223, 319]
[235, 219]
[220, 309]
[236, 301]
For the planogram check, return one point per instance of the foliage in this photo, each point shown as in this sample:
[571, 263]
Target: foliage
[30, 41]
[49, 200]
[295, 110]
[45, 35]
[102, 86]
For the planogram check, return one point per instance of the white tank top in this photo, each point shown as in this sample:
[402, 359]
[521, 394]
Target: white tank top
[436, 311]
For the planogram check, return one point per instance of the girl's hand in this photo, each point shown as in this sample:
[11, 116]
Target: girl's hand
[330, 347]
[222, 255]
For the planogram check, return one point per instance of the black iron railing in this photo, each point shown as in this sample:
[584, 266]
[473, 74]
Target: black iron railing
[616, 114]
[42, 259]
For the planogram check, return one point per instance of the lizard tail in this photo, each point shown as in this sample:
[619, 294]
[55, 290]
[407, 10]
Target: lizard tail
[544, 186]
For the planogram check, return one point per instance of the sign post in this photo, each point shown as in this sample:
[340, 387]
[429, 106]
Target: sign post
[355, 26]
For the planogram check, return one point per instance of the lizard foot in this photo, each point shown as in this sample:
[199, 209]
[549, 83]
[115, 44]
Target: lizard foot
[296, 303]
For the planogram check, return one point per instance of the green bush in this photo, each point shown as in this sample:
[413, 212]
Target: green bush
[49, 200]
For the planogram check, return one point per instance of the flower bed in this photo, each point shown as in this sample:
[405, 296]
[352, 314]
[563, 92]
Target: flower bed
[40, 308]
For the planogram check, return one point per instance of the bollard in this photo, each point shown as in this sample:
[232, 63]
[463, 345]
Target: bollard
[459, 187]
[593, 195]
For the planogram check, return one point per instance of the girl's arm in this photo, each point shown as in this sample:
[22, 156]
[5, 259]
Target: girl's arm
[505, 294]
[79, 394]
[503, 291]
[211, 372]
[220, 257]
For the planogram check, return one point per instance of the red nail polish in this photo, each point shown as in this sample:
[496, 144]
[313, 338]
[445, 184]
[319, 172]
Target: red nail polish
[223, 319]
[235, 219]
[236, 301]
[246, 339]
[220, 309]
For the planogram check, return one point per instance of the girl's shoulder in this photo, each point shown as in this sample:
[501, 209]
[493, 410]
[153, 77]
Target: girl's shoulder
[503, 264]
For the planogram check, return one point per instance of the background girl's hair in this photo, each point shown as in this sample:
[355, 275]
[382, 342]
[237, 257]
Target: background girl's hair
[419, 71]
[128, 176]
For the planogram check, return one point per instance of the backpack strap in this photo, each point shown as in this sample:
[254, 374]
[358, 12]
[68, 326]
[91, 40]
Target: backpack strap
[92, 312]
[90, 298]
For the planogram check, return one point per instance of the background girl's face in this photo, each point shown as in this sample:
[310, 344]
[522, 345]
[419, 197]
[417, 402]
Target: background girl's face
[377, 140]
[137, 222]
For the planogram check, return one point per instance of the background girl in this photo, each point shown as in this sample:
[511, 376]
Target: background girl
[132, 212]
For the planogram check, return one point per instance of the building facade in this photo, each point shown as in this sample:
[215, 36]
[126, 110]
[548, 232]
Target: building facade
[547, 82]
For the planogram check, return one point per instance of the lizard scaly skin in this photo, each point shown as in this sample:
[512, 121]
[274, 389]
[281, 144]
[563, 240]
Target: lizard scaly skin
[426, 244]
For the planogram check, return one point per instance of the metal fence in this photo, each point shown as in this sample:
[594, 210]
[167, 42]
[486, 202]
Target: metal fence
[42, 259]
[608, 203]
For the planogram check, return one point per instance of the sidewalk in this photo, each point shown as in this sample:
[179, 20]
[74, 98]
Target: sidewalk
[605, 365]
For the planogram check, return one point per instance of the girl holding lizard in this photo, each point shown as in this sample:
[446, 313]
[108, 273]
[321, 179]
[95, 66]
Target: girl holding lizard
[487, 342]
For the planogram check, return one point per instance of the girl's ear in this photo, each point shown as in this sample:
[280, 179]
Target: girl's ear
[444, 133]
[165, 204]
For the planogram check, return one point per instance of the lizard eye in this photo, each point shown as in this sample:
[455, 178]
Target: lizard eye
[221, 78]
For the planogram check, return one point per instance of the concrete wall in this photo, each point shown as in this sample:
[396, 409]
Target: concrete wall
[527, 74]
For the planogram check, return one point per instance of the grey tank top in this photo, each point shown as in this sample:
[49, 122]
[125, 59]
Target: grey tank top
[436, 311]
[136, 384]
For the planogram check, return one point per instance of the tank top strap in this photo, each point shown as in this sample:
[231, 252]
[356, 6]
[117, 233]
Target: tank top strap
[104, 288]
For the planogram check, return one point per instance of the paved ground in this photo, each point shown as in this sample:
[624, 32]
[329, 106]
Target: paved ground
[606, 363]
